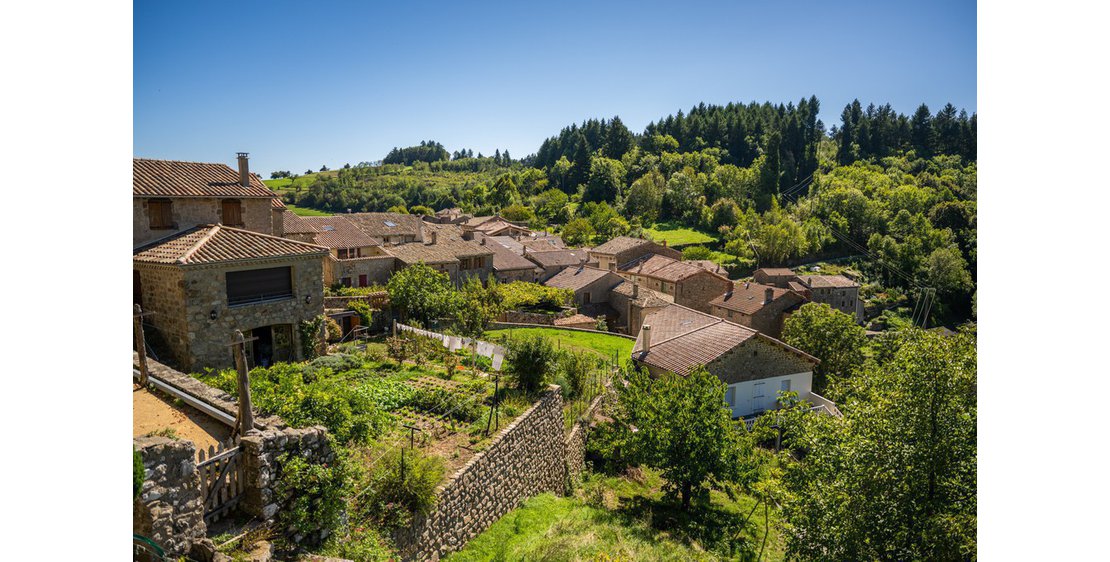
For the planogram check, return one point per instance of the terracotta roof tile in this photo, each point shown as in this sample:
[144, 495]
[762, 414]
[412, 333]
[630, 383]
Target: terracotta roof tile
[174, 178]
[338, 232]
[504, 259]
[619, 244]
[827, 281]
[292, 223]
[662, 267]
[775, 271]
[576, 278]
[747, 298]
[558, 258]
[446, 250]
[380, 225]
[218, 243]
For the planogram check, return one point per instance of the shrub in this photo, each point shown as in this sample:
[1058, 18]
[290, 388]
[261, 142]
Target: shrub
[532, 360]
[603, 450]
[310, 336]
[333, 331]
[365, 313]
[399, 348]
[313, 496]
[442, 402]
[138, 471]
[392, 500]
[575, 370]
[520, 295]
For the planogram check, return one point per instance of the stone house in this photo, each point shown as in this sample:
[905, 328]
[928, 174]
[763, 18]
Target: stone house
[355, 259]
[453, 215]
[773, 276]
[760, 307]
[444, 249]
[631, 302]
[689, 284]
[552, 262]
[590, 285]
[204, 283]
[295, 227]
[837, 291]
[754, 366]
[390, 229]
[509, 266]
[169, 196]
[495, 225]
[624, 249]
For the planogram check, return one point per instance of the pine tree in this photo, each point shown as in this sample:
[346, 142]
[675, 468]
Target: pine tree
[921, 132]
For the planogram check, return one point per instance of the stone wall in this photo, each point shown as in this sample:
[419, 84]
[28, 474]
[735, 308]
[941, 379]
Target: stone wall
[170, 509]
[262, 467]
[697, 290]
[191, 211]
[757, 358]
[525, 459]
[377, 269]
[575, 442]
[163, 294]
[522, 317]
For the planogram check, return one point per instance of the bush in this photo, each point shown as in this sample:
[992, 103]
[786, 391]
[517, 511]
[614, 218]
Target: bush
[333, 331]
[532, 360]
[442, 402]
[520, 295]
[365, 313]
[575, 371]
[392, 501]
[310, 336]
[603, 450]
[138, 471]
[312, 496]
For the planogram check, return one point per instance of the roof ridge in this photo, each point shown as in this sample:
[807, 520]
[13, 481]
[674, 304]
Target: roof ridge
[213, 228]
[289, 240]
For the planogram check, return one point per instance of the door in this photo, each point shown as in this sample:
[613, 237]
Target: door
[758, 396]
[137, 289]
[362, 280]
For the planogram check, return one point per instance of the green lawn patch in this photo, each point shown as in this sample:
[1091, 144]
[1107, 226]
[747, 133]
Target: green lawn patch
[678, 235]
[306, 212]
[605, 345]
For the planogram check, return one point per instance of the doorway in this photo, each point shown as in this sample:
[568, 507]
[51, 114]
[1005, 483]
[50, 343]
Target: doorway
[272, 344]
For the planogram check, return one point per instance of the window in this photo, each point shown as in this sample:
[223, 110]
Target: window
[730, 396]
[785, 386]
[586, 297]
[362, 280]
[232, 212]
[349, 253]
[259, 285]
[345, 281]
[160, 212]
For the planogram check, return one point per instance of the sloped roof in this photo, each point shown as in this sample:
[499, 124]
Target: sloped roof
[338, 232]
[505, 259]
[214, 243]
[575, 319]
[543, 243]
[710, 266]
[662, 267]
[175, 178]
[558, 258]
[380, 225]
[499, 225]
[509, 242]
[576, 278]
[647, 299]
[620, 244]
[446, 249]
[682, 339]
[292, 223]
[747, 298]
[828, 281]
[775, 271]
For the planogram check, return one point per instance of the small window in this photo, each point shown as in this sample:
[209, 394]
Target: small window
[342, 253]
[259, 285]
[345, 281]
[232, 212]
[786, 385]
[362, 280]
[160, 212]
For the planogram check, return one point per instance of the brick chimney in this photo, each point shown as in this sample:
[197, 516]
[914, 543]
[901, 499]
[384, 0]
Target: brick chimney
[646, 333]
[635, 290]
[432, 238]
[768, 295]
[244, 169]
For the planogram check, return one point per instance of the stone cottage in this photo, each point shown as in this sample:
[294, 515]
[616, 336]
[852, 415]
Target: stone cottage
[590, 285]
[204, 283]
[169, 196]
[355, 259]
[632, 303]
[837, 291]
[444, 249]
[389, 228]
[690, 285]
[754, 366]
[509, 266]
[624, 249]
[760, 307]
[551, 262]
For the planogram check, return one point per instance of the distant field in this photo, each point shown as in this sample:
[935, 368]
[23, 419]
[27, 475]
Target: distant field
[604, 345]
[305, 212]
[676, 235]
[282, 185]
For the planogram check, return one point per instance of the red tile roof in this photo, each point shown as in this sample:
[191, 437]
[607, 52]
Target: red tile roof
[682, 339]
[173, 178]
[215, 243]
[747, 298]
[662, 267]
[576, 278]
[558, 258]
[338, 232]
[504, 259]
[619, 244]
[775, 271]
[292, 223]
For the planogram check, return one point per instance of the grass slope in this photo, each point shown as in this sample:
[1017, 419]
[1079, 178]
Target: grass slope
[604, 345]
[617, 518]
[677, 235]
[306, 212]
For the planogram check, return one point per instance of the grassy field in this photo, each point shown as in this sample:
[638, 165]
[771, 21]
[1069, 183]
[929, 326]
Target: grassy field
[306, 212]
[282, 185]
[617, 518]
[604, 345]
[677, 235]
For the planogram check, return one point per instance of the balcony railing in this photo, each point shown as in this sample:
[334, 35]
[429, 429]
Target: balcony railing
[261, 298]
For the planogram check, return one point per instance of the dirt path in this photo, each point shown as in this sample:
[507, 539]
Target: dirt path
[152, 412]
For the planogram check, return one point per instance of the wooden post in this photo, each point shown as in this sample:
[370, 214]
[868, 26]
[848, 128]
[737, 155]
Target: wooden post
[246, 416]
[394, 327]
[140, 345]
[323, 343]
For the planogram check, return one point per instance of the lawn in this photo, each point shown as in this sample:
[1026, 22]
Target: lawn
[306, 212]
[619, 518]
[605, 345]
[678, 235]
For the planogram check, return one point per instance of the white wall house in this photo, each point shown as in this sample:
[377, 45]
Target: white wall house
[752, 397]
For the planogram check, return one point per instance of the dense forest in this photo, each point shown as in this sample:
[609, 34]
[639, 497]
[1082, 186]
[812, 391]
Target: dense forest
[767, 182]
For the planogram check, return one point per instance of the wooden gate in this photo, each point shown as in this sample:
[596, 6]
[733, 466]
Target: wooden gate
[221, 480]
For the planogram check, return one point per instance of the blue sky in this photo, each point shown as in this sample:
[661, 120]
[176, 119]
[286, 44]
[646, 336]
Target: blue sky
[301, 84]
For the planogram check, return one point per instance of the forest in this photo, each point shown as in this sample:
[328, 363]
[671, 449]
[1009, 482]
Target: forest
[768, 183]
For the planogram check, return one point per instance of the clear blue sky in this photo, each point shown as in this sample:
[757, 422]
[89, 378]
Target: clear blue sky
[300, 84]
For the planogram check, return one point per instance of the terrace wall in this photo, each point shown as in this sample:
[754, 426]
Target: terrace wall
[262, 454]
[575, 442]
[525, 459]
[170, 509]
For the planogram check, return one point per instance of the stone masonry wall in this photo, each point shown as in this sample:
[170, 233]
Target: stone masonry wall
[755, 359]
[697, 290]
[163, 294]
[525, 459]
[575, 442]
[169, 509]
[191, 211]
[262, 467]
[377, 269]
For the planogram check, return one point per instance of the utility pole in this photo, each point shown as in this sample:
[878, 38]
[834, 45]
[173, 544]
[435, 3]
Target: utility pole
[246, 415]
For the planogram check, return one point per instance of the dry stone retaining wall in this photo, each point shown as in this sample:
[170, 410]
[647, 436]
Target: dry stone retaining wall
[575, 443]
[525, 459]
[261, 466]
[169, 509]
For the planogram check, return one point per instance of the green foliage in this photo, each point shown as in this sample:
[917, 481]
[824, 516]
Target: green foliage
[894, 480]
[606, 346]
[574, 372]
[478, 306]
[438, 401]
[365, 313]
[531, 362]
[521, 295]
[310, 336]
[696, 253]
[428, 151]
[518, 213]
[313, 495]
[684, 429]
[829, 335]
[645, 197]
[138, 472]
[393, 498]
[422, 294]
[167, 432]
[606, 180]
[333, 331]
[341, 291]
[578, 232]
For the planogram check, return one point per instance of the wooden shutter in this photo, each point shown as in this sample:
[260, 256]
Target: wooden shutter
[258, 285]
[232, 212]
[160, 213]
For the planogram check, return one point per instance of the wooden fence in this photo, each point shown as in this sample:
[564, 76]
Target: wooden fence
[221, 479]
